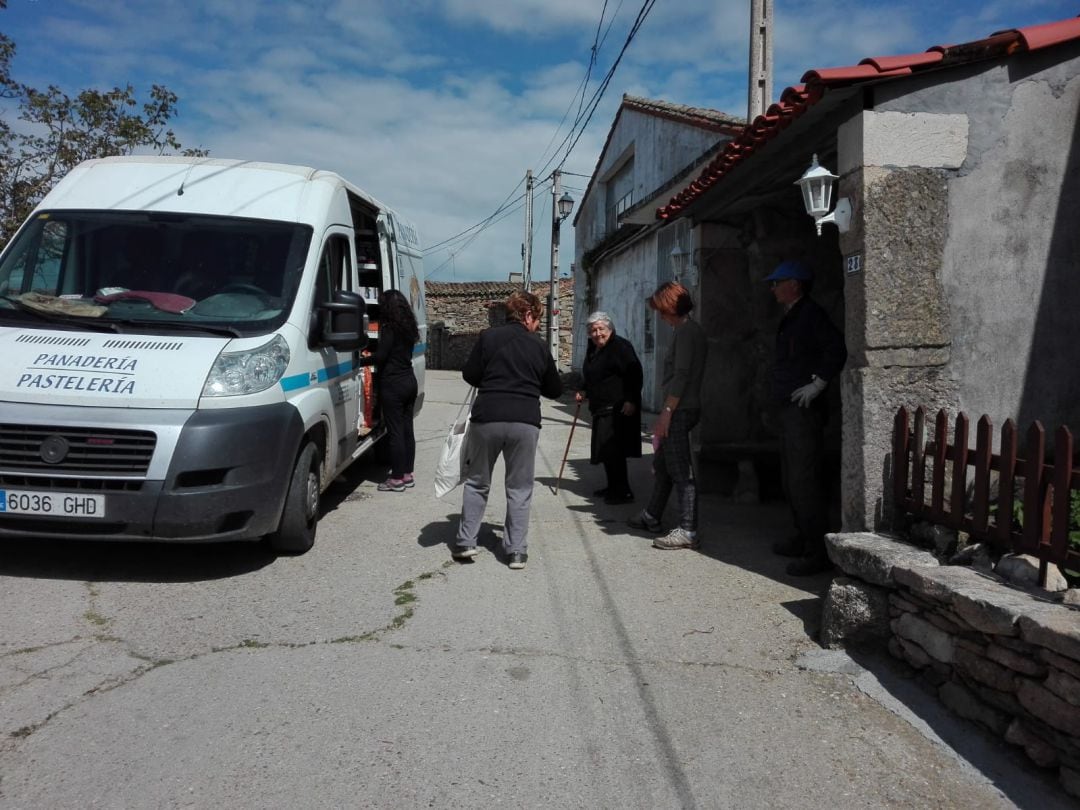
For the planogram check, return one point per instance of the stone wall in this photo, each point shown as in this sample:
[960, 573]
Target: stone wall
[1003, 657]
[458, 312]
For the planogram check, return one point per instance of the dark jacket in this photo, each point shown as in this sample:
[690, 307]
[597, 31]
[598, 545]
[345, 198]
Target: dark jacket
[393, 355]
[511, 368]
[807, 344]
[612, 377]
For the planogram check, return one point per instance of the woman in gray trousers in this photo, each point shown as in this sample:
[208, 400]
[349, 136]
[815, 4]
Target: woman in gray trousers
[511, 369]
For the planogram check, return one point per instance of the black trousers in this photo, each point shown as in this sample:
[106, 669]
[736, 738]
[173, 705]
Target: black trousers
[802, 452]
[397, 398]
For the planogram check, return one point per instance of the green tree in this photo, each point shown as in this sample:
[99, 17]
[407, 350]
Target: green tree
[59, 131]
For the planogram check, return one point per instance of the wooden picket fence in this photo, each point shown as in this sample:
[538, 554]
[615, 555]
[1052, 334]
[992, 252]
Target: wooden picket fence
[924, 469]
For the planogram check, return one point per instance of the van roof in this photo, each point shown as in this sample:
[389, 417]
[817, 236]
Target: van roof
[221, 186]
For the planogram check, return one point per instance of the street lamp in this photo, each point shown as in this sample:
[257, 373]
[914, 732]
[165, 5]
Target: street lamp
[560, 210]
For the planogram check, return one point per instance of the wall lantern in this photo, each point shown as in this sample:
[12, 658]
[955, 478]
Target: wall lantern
[678, 258]
[566, 205]
[816, 185]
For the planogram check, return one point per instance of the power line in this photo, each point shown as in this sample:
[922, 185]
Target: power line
[471, 233]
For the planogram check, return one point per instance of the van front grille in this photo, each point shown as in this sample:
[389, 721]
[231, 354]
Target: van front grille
[44, 449]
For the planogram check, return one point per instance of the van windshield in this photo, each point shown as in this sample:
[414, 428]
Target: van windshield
[180, 271]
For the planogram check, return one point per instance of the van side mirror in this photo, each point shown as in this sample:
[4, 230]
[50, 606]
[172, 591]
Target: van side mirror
[342, 323]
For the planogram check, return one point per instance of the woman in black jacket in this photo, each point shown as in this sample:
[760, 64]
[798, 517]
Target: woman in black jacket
[613, 380]
[398, 335]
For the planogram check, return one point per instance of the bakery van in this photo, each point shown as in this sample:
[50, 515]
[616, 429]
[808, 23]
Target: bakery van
[187, 349]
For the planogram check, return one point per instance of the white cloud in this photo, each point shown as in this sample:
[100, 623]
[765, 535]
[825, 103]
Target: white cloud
[438, 107]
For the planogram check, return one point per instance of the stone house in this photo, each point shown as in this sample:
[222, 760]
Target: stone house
[622, 250]
[954, 286]
[954, 283]
[457, 312]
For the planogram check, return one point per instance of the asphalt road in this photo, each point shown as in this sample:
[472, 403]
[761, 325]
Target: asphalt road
[375, 672]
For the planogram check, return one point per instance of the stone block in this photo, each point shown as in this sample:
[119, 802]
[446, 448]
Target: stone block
[1061, 662]
[1025, 665]
[855, 612]
[1041, 752]
[872, 557]
[1049, 708]
[902, 604]
[985, 671]
[1063, 685]
[936, 584]
[1054, 627]
[990, 607]
[1023, 570]
[1070, 781]
[940, 621]
[965, 704]
[913, 653]
[937, 643]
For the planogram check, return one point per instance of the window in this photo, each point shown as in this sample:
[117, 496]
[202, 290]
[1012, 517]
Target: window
[620, 195]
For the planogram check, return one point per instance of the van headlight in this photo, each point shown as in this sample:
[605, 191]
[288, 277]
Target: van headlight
[248, 372]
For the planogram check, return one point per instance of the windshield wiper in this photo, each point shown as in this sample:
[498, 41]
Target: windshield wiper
[210, 329]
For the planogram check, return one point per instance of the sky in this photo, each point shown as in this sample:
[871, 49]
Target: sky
[439, 107]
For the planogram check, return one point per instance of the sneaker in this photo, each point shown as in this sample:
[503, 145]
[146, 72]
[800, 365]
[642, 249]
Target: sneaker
[809, 566]
[392, 485]
[517, 561]
[615, 498]
[463, 552]
[408, 480]
[645, 522]
[676, 538]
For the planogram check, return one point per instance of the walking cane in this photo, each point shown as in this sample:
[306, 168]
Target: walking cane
[568, 440]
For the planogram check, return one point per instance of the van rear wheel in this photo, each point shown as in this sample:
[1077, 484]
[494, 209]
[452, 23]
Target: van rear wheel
[296, 532]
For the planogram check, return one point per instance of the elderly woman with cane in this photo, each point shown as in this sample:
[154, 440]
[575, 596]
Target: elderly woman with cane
[613, 378]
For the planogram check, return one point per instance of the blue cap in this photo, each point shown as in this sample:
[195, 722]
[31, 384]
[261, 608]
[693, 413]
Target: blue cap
[791, 269]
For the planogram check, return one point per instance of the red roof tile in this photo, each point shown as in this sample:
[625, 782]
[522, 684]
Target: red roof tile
[795, 100]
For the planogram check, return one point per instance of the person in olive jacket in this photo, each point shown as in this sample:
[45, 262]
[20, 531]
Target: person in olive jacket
[511, 369]
[613, 378]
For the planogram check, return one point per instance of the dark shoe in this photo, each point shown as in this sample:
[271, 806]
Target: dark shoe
[600, 493]
[808, 566]
[625, 497]
[789, 547]
[463, 553]
[392, 485]
[644, 522]
[517, 561]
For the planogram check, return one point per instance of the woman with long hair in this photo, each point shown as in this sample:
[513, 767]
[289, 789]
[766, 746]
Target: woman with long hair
[398, 335]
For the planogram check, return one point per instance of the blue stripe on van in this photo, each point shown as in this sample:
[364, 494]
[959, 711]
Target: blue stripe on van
[298, 381]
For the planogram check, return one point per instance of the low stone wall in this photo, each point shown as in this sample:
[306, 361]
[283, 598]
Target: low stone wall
[1004, 657]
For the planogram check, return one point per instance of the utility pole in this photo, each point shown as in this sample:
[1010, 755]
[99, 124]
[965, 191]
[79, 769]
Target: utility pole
[759, 94]
[553, 295]
[526, 246]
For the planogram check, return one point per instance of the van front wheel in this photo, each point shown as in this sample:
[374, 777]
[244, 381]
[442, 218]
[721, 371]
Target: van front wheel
[296, 532]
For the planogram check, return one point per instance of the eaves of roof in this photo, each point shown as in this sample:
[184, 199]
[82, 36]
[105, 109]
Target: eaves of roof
[471, 289]
[795, 101]
[703, 118]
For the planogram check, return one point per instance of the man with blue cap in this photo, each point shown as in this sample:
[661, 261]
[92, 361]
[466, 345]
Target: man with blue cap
[810, 352]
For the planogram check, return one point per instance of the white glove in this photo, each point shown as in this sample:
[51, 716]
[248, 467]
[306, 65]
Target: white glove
[805, 395]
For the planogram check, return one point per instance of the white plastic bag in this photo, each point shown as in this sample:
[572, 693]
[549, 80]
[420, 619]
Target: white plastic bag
[450, 471]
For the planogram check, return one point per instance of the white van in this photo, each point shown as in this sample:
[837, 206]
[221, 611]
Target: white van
[186, 349]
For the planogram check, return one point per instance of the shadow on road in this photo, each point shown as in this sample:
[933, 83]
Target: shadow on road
[92, 561]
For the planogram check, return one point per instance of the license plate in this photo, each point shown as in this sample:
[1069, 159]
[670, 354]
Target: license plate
[54, 504]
